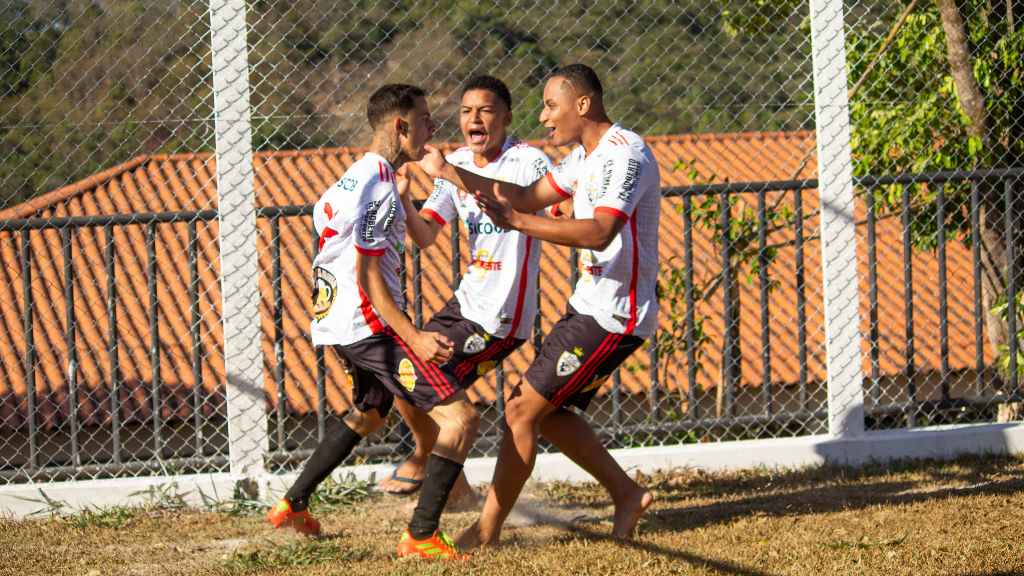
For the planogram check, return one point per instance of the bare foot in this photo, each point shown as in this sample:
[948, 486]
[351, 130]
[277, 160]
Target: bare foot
[629, 511]
[469, 539]
[414, 468]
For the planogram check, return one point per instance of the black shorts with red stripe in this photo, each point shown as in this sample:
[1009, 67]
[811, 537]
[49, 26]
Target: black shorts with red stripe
[385, 367]
[476, 351]
[576, 358]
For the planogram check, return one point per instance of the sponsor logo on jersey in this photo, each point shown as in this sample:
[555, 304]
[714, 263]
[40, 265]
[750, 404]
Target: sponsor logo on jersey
[591, 189]
[325, 290]
[474, 344]
[368, 221]
[483, 228]
[484, 367]
[347, 184]
[540, 168]
[406, 374]
[606, 179]
[629, 184]
[595, 384]
[484, 263]
[568, 362]
[587, 268]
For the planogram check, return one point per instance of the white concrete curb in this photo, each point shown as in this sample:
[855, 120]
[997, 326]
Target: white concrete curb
[937, 442]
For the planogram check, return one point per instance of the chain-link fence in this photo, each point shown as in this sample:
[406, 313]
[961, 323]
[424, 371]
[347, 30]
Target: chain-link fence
[157, 318]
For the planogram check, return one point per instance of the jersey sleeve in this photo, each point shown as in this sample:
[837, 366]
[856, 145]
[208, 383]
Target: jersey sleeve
[378, 207]
[618, 195]
[563, 178]
[441, 204]
[536, 166]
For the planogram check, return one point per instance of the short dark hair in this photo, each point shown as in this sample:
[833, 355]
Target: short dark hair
[491, 84]
[583, 79]
[391, 100]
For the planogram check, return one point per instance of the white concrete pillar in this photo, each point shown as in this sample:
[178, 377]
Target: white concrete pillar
[838, 226]
[243, 354]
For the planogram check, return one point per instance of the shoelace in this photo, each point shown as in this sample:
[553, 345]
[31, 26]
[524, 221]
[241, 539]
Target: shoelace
[444, 538]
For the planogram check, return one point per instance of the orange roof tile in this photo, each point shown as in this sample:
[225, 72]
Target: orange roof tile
[160, 183]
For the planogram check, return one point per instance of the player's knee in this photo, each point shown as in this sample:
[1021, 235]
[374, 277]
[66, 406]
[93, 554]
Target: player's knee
[364, 423]
[520, 413]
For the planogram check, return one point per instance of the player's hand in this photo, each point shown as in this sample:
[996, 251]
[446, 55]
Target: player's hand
[497, 208]
[433, 162]
[403, 180]
[432, 347]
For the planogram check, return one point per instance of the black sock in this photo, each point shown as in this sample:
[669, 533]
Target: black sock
[437, 485]
[329, 454]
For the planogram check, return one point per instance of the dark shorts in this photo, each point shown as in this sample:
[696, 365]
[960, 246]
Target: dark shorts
[576, 358]
[384, 366]
[476, 351]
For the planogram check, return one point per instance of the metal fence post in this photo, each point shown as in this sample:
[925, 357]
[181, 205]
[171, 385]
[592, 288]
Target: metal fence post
[838, 226]
[243, 354]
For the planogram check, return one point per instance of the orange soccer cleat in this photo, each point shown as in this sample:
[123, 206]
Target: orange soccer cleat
[281, 515]
[436, 547]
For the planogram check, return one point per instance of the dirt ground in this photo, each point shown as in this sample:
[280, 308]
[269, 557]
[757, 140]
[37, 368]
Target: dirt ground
[910, 517]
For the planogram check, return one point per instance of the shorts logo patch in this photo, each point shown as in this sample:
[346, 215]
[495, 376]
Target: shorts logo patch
[406, 374]
[595, 384]
[474, 344]
[567, 363]
[485, 367]
[325, 289]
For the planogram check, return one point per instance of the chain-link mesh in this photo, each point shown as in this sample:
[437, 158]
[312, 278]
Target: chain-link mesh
[114, 357]
[935, 86]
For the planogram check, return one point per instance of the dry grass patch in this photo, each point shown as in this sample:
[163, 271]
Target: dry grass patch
[964, 516]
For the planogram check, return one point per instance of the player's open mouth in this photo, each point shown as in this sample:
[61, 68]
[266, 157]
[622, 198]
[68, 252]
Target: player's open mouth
[477, 136]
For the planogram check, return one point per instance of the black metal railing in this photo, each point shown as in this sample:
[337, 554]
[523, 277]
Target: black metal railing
[620, 423]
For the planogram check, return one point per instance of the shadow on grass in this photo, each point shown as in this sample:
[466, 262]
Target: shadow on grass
[818, 500]
[681, 555]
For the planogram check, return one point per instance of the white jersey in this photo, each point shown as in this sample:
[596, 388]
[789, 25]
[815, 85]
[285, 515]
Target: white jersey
[619, 177]
[363, 214]
[499, 291]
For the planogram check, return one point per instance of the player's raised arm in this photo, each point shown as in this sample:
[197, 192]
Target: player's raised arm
[422, 230]
[527, 199]
[595, 233]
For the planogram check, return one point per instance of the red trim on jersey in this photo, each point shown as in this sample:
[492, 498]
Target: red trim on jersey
[587, 370]
[369, 316]
[437, 217]
[380, 170]
[492, 160]
[617, 213]
[430, 371]
[551, 180]
[366, 252]
[328, 211]
[328, 233]
[632, 281]
[555, 211]
[522, 289]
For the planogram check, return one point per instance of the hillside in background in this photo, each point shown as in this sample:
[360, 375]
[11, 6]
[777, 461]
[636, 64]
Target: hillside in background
[87, 86]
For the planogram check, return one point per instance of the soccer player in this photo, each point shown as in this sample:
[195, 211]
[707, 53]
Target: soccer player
[615, 185]
[491, 313]
[356, 295]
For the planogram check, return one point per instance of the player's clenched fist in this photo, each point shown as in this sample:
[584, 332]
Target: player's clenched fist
[432, 347]
[433, 162]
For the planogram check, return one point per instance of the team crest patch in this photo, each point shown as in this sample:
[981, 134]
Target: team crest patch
[406, 374]
[474, 344]
[325, 289]
[567, 363]
[485, 367]
[594, 385]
